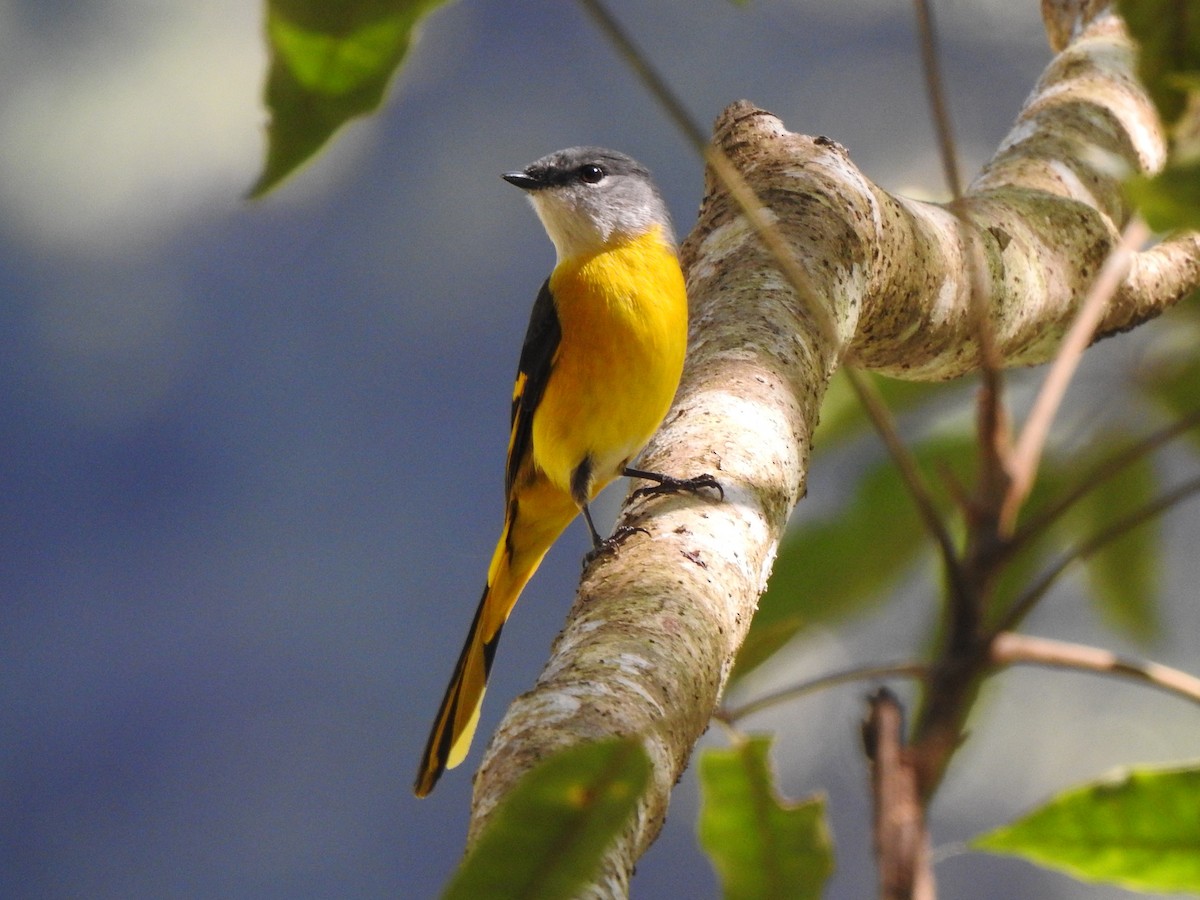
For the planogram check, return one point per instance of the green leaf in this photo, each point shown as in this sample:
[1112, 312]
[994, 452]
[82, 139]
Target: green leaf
[330, 62]
[842, 416]
[1139, 829]
[830, 568]
[762, 848]
[1123, 575]
[1169, 200]
[1168, 33]
[547, 838]
[1175, 383]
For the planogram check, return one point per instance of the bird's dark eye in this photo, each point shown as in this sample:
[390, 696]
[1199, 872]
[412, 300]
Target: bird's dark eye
[591, 173]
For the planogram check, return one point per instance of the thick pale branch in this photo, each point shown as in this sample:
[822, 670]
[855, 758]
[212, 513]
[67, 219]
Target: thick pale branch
[1158, 278]
[1045, 213]
[653, 633]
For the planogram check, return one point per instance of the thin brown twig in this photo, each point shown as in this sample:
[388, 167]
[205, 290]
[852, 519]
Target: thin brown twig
[1028, 451]
[752, 208]
[1100, 473]
[992, 433]
[1027, 601]
[937, 99]
[991, 415]
[648, 75]
[992, 421]
[901, 837]
[908, 669]
[885, 425]
[1011, 648]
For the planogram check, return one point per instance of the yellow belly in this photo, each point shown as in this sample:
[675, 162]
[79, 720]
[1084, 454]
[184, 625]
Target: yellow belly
[623, 314]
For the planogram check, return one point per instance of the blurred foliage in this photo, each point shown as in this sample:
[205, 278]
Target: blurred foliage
[762, 847]
[1168, 35]
[330, 62]
[1170, 199]
[1172, 379]
[830, 568]
[842, 416]
[547, 838]
[1122, 577]
[1139, 829]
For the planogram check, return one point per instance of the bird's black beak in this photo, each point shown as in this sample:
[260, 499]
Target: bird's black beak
[523, 181]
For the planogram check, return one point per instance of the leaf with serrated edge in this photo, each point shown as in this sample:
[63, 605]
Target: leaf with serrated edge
[762, 848]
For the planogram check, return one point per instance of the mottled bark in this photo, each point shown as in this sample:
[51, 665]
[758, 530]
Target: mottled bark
[653, 632]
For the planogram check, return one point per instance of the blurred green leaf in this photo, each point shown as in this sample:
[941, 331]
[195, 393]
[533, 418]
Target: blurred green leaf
[762, 848]
[1170, 199]
[330, 62]
[1123, 576]
[548, 836]
[830, 568]
[1175, 383]
[1139, 829]
[1168, 33]
[842, 416]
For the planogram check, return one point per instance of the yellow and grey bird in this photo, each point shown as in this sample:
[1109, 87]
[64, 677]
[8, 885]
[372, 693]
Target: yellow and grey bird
[599, 367]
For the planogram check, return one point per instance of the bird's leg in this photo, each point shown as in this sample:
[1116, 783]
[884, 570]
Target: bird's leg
[597, 541]
[668, 484]
[603, 546]
[580, 490]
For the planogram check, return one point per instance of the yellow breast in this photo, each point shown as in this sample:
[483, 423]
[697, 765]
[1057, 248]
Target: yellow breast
[623, 314]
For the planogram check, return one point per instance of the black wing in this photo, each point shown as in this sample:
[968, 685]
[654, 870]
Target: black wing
[533, 371]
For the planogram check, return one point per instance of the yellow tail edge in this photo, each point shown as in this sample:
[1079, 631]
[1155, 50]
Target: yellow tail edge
[458, 715]
[514, 561]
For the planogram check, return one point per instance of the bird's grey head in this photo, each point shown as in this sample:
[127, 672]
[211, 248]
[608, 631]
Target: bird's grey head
[589, 198]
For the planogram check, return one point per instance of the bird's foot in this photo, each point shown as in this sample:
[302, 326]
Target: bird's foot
[611, 543]
[667, 484]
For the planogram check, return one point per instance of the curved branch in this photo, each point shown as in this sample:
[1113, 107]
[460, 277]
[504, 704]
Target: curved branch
[652, 635]
[1011, 648]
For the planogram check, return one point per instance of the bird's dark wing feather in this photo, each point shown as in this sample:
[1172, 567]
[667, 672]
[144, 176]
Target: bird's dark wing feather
[533, 371]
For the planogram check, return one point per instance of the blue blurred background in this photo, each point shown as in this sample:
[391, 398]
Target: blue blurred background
[252, 453]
